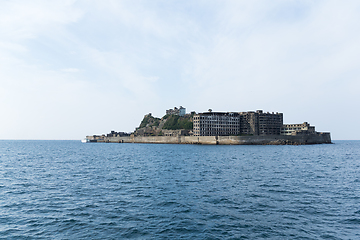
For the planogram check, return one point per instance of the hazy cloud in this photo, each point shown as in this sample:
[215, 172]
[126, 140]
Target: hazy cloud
[71, 68]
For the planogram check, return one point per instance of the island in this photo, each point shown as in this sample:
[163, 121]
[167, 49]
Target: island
[217, 128]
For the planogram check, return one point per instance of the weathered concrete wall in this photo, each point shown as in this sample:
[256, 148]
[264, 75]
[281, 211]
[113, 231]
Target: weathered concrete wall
[156, 139]
[276, 139]
[227, 140]
[210, 140]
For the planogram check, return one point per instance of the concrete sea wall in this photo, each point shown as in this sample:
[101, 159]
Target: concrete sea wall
[317, 138]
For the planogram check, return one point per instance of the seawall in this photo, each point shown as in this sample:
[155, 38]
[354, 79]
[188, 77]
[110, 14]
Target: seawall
[304, 139]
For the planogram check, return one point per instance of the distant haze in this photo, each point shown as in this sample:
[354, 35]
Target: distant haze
[74, 68]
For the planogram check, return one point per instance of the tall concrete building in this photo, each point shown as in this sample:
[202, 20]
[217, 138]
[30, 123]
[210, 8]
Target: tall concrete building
[249, 123]
[216, 124]
[243, 123]
[260, 123]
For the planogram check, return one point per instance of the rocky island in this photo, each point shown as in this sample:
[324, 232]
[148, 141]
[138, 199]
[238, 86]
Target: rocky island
[224, 128]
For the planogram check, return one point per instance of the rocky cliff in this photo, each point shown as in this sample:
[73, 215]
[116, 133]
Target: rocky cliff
[168, 125]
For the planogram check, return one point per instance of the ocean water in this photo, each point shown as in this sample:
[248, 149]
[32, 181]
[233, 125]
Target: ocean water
[72, 190]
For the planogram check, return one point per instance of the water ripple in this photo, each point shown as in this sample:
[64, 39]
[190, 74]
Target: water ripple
[69, 190]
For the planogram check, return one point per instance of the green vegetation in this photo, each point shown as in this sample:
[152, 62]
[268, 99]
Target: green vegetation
[149, 126]
[156, 122]
[148, 119]
[176, 122]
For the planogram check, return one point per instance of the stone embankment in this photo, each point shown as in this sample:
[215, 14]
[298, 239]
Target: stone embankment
[317, 138]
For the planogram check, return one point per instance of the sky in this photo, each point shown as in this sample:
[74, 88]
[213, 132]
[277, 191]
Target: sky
[73, 68]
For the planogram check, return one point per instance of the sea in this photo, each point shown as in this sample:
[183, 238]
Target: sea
[74, 190]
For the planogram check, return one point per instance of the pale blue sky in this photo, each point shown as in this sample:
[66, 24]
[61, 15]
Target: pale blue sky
[75, 68]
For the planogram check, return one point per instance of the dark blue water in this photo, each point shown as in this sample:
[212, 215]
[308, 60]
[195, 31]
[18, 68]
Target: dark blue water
[71, 190]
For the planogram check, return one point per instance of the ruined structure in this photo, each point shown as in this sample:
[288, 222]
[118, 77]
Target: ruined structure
[237, 124]
[293, 129]
[260, 123]
[253, 127]
[176, 111]
[216, 124]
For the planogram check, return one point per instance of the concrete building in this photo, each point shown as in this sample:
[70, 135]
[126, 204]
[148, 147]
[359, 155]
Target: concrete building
[117, 134]
[216, 124]
[232, 124]
[177, 111]
[294, 129]
[260, 123]
[249, 123]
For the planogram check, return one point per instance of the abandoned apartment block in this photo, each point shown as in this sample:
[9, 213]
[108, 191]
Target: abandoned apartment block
[246, 124]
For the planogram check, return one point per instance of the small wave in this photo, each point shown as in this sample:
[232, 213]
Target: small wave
[269, 185]
[167, 203]
[164, 192]
[134, 232]
[221, 201]
[351, 221]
